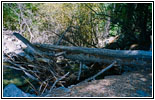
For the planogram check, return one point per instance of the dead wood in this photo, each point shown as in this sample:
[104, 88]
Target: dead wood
[58, 81]
[99, 73]
[126, 57]
[44, 62]
[138, 54]
[63, 34]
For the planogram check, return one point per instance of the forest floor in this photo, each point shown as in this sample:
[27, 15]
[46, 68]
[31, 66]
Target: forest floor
[130, 84]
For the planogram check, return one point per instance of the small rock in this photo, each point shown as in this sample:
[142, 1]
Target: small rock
[12, 91]
[63, 89]
[142, 93]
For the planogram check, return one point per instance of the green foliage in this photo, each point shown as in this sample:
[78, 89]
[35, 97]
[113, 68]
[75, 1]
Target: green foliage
[114, 30]
[13, 76]
[134, 21]
[89, 21]
[10, 19]
[127, 16]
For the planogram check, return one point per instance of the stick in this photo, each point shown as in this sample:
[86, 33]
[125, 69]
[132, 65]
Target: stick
[30, 76]
[12, 67]
[62, 36]
[44, 88]
[58, 80]
[40, 87]
[99, 73]
[81, 64]
[66, 39]
[30, 84]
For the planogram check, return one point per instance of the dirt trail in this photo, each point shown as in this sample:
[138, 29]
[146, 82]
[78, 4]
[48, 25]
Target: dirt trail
[131, 84]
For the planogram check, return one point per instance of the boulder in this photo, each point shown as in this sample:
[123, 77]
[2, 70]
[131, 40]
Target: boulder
[12, 91]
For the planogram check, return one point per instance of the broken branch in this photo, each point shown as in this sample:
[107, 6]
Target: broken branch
[99, 73]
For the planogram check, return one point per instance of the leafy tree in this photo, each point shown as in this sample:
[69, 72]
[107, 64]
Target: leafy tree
[10, 19]
[89, 23]
[134, 21]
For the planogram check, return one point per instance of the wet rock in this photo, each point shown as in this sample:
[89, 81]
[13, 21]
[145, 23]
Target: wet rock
[12, 91]
[63, 89]
[142, 93]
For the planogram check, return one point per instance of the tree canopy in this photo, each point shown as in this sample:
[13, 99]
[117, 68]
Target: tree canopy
[88, 24]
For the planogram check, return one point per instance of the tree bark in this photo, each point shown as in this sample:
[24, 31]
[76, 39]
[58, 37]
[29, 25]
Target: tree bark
[83, 54]
[133, 54]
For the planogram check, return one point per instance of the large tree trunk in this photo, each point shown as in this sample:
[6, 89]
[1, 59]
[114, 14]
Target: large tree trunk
[83, 54]
[125, 57]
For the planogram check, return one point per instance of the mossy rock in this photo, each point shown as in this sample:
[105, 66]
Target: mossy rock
[13, 76]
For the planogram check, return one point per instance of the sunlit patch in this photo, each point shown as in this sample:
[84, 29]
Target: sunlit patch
[98, 87]
[143, 79]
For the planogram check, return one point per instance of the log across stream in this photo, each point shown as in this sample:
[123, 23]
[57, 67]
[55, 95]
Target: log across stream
[54, 65]
[124, 57]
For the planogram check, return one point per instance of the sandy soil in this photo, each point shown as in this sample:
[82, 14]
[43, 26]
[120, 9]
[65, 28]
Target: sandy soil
[132, 84]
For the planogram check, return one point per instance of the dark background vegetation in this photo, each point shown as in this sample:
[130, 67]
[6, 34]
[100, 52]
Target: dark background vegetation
[87, 24]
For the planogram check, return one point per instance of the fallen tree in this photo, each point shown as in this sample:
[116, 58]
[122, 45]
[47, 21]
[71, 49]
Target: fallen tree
[83, 54]
[51, 66]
